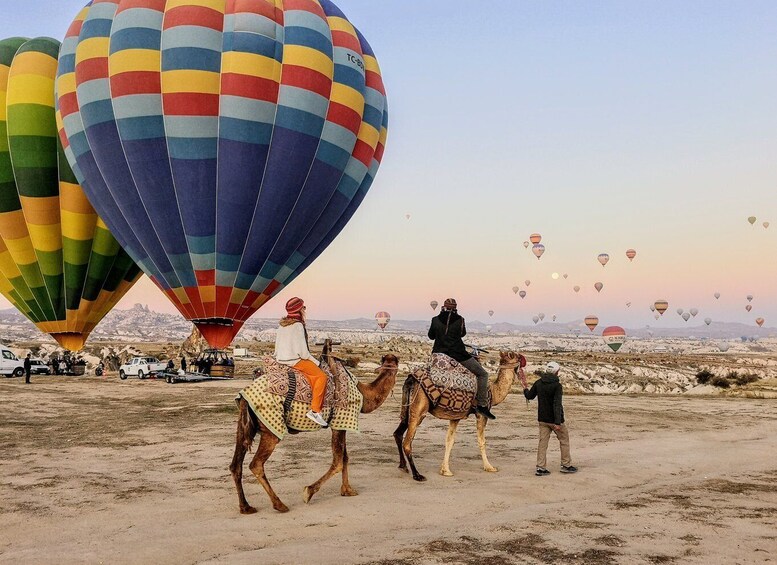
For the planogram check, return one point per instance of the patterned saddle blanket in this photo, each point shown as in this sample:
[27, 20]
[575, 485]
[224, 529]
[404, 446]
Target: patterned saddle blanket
[279, 381]
[447, 383]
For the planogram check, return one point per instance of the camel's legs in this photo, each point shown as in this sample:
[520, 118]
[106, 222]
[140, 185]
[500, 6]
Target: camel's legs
[338, 449]
[407, 444]
[398, 435]
[450, 438]
[245, 435]
[267, 444]
[345, 489]
[482, 444]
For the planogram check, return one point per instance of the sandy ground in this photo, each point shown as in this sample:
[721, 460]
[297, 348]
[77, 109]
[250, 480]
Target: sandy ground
[107, 471]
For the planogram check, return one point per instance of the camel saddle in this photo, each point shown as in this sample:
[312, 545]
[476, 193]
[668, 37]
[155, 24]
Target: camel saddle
[292, 385]
[448, 384]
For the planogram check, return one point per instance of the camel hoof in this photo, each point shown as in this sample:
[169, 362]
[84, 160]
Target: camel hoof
[490, 469]
[282, 508]
[348, 492]
[419, 478]
[307, 494]
[403, 468]
[248, 510]
[446, 473]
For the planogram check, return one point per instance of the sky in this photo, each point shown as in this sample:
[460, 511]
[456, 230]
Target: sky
[601, 125]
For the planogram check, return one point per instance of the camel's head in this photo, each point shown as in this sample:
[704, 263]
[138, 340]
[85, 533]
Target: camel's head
[389, 361]
[508, 358]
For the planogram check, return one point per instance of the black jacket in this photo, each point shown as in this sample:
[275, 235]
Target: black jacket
[447, 334]
[547, 391]
[27, 364]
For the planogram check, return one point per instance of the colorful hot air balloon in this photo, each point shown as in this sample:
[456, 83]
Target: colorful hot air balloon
[434, 304]
[748, 307]
[535, 238]
[383, 319]
[752, 220]
[686, 316]
[598, 286]
[631, 253]
[708, 321]
[603, 258]
[522, 294]
[749, 297]
[59, 264]
[694, 312]
[516, 289]
[527, 283]
[717, 296]
[490, 313]
[225, 143]
[526, 244]
[760, 322]
[576, 288]
[538, 249]
[615, 337]
[661, 306]
[591, 321]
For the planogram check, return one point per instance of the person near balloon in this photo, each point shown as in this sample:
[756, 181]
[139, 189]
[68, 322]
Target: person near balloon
[447, 330]
[291, 349]
[27, 368]
[183, 363]
[550, 417]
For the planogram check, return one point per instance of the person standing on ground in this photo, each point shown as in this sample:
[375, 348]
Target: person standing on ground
[447, 331]
[27, 369]
[183, 363]
[550, 417]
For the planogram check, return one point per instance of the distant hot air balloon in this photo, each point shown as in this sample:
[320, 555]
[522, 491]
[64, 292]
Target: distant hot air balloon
[749, 297]
[59, 264]
[724, 347]
[631, 253]
[717, 296]
[591, 321]
[554, 276]
[766, 225]
[694, 312]
[541, 315]
[535, 238]
[526, 244]
[407, 216]
[760, 322]
[434, 304]
[708, 321]
[522, 294]
[538, 249]
[650, 333]
[576, 288]
[527, 282]
[603, 258]
[535, 319]
[680, 311]
[615, 337]
[516, 289]
[661, 306]
[554, 317]
[488, 329]
[652, 308]
[566, 276]
[657, 316]
[490, 313]
[748, 307]
[686, 316]
[628, 305]
[752, 220]
[226, 144]
[383, 319]
[598, 286]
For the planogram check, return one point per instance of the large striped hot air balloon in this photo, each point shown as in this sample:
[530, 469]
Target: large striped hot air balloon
[59, 265]
[383, 319]
[615, 337]
[226, 143]
[661, 306]
[591, 321]
[538, 249]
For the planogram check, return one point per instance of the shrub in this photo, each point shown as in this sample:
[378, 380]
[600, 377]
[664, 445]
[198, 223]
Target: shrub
[746, 379]
[720, 382]
[704, 376]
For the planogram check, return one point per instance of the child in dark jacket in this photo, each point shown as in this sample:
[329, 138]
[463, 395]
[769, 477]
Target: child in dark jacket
[550, 417]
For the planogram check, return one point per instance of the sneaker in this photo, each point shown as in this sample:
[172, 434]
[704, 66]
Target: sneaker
[541, 472]
[568, 469]
[485, 412]
[316, 417]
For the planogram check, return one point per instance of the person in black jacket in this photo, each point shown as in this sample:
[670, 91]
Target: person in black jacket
[27, 368]
[446, 330]
[550, 416]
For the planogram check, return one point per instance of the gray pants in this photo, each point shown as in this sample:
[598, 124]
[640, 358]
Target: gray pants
[474, 366]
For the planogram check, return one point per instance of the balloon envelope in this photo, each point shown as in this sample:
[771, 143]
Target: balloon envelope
[598, 286]
[717, 295]
[686, 316]
[576, 288]
[59, 264]
[526, 244]
[759, 321]
[225, 144]
[603, 258]
[434, 304]
[383, 319]
[538, 249]
[661, 306]
[527, 282]
[631, 253]
[522, 294]
[749, 297]
[535, 238]
[516, 289]
[748, 307]
[591, 322]
[708, 321]
[541, 315]
[535, 319]
[614, 336]
[490, 313]
[766, 225]
[752, 220]
[694, 312]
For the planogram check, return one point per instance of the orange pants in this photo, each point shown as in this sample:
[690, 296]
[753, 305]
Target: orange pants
[317, 379]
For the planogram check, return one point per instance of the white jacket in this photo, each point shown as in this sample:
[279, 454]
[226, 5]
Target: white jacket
[291, 346]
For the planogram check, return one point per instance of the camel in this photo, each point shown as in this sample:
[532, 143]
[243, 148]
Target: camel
[248, 425]
[416, 405]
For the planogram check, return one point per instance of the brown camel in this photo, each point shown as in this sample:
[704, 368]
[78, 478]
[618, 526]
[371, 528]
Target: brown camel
[416, 405]
[373, 394]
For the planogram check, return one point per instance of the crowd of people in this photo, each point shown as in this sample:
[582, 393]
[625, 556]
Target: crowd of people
[65, 364]
[204, 362]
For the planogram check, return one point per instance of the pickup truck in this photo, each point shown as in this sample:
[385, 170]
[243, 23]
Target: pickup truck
[141, 367]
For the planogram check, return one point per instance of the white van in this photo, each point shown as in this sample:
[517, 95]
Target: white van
[10, 365]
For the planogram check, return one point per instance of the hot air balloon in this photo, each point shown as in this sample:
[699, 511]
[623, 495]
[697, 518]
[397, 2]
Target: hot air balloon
[522, 294]
[766, 225]
[541, 315]
[748, 307]
[628, 305]
[488, 329]
[630, 253]
[598, 286]
[708, 321]
[652, 308]
[516, 289]
[434, 304]
[59, 264]
[526, 244]
[749, 297]
[661, 306]
[408, 216]
[686, 316]
[538, 249]
[752, 220]
[603, 258]
[535, 319]
[554, 317]
[760, 322]
[554, 276]
[535, 238]
[657, 316]
[650, 333]
[527, 283]
[565, 276]
[591, 321]
[383, 319]
[576, 288]
[225, 144]
[723, 347]
[694, 312]
[615, 337]
[490, 313]
[717, 296]
[680, 311]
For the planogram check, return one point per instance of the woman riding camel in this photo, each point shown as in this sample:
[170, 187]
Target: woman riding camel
[291, 348]
[446, 330]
